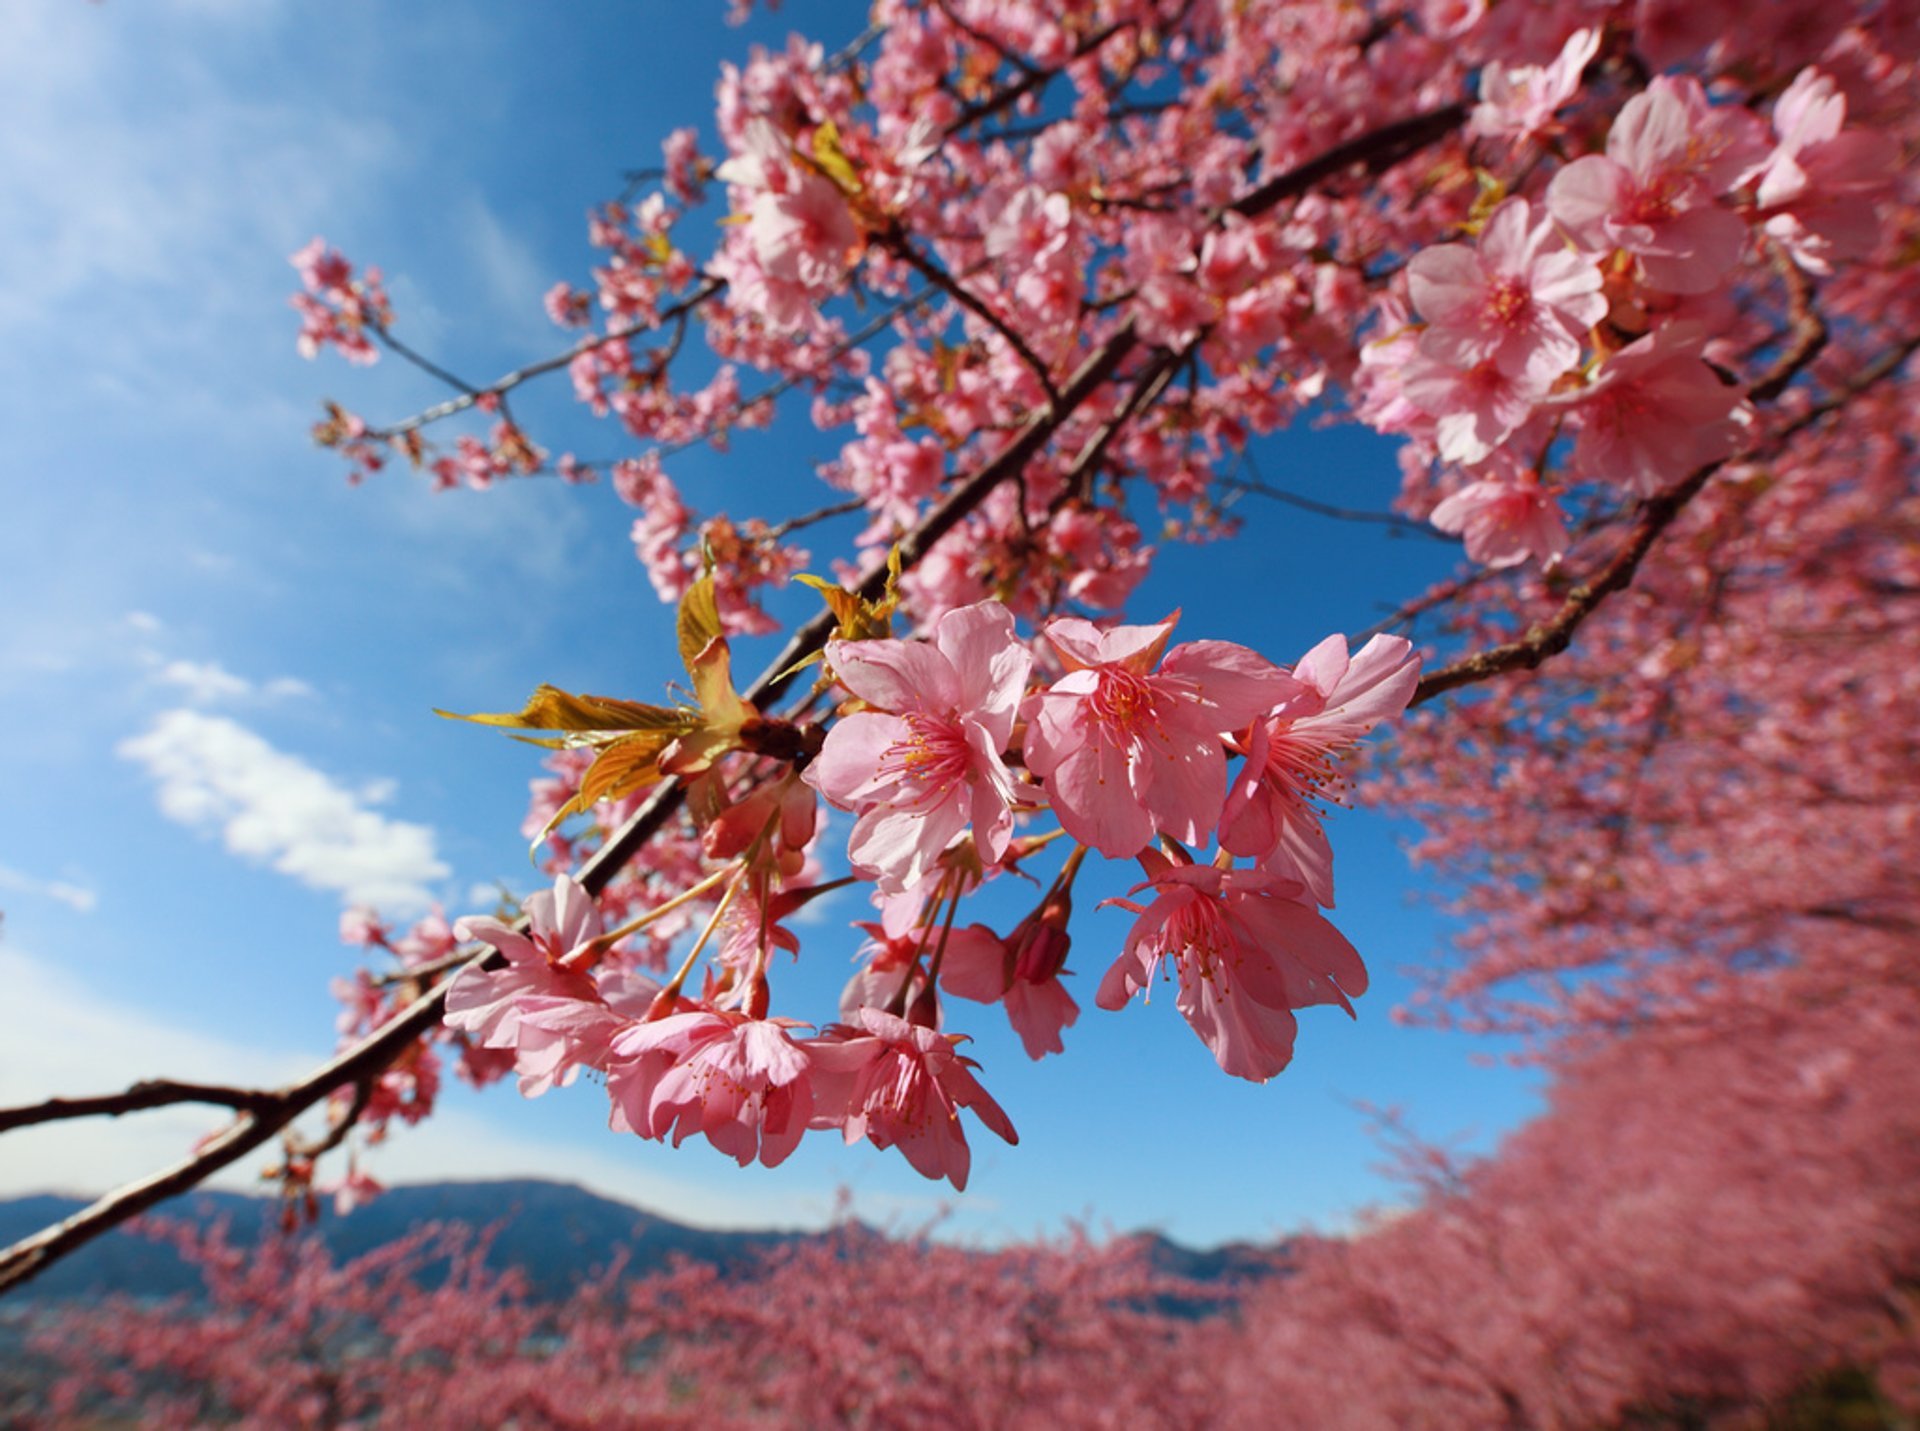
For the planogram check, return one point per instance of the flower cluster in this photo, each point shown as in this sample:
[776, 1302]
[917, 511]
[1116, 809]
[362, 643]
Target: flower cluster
[336, 309]
[1582, 316]
[950, 751]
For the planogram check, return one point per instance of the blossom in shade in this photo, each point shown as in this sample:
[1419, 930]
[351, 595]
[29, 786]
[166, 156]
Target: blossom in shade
[1652, 193]
[1292, 755]
[897, 1084]
[1504, 520]
[1518, 101]
[1021, 973]
[1519, 297]
[1126, 749]
[1475, 409]
[487, 1004]
[1819, 186]
[926, 762]
[1656, 412]
[1247, 952]
[744, 1083]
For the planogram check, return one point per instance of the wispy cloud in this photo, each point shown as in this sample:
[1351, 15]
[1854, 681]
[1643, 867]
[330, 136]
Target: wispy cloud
[207, 683]
[76, 897]
[273, 808]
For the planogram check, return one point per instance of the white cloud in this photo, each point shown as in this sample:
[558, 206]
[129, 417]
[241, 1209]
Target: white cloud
[513, 275]
[207, 683]
[273, 808]
[76, 897]
[143, 621]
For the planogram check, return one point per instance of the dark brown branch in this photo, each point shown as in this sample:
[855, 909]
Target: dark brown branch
[377, 1050]
[1029, 83]
[146, 1094]
[898, 244]
[819, 514]
[1373, 151]
[1326, 509]
[986, 42]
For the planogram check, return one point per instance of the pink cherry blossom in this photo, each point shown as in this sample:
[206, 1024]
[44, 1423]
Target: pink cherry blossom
[1504, 520]
[1521, 100]
[487, 1006]
[1656, 412]
[926, 763]
[1519, 297]
[800, 235]
[1246, 951]
[898, 1084]
[1819, 186]
[742, 1082]
[1126, 750]
[1292, 754]
[1475, 409]
[1668, 155]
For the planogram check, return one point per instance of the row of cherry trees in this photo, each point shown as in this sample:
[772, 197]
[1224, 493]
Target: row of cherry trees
[1659, 1246]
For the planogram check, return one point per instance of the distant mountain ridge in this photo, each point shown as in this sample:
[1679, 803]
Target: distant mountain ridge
[555, 1234]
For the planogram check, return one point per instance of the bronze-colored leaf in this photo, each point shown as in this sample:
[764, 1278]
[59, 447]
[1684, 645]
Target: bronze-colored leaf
[699, 623]
[550, 708]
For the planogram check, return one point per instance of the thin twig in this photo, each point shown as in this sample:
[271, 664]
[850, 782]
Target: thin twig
[819, 514]
[1028, 83]
[469, 395]
[1261, 488]
[897, 243]
[146, 1094]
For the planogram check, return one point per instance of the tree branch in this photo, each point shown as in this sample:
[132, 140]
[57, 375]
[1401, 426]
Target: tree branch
[147, 1093]
[897, 244]
[373, 1053]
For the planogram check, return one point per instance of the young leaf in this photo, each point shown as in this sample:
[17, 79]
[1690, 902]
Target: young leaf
[699, 623]
[550, 708]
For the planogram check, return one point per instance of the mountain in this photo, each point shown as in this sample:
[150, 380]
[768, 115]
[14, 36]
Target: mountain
[554, 1233]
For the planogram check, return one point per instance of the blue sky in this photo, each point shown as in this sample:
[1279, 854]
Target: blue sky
[219, 659]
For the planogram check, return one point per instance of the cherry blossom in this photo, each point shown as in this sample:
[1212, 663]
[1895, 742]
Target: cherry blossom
[1504, 520]
[1292, 755]
[1669, 154]
[1521, 100]
[925, 763]
[1247, 950]
[1128, 744]
[546, 961]
[1655, 413]
[1519, 297]
[744, 1083]
[1819, 186]
[897, 1084]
